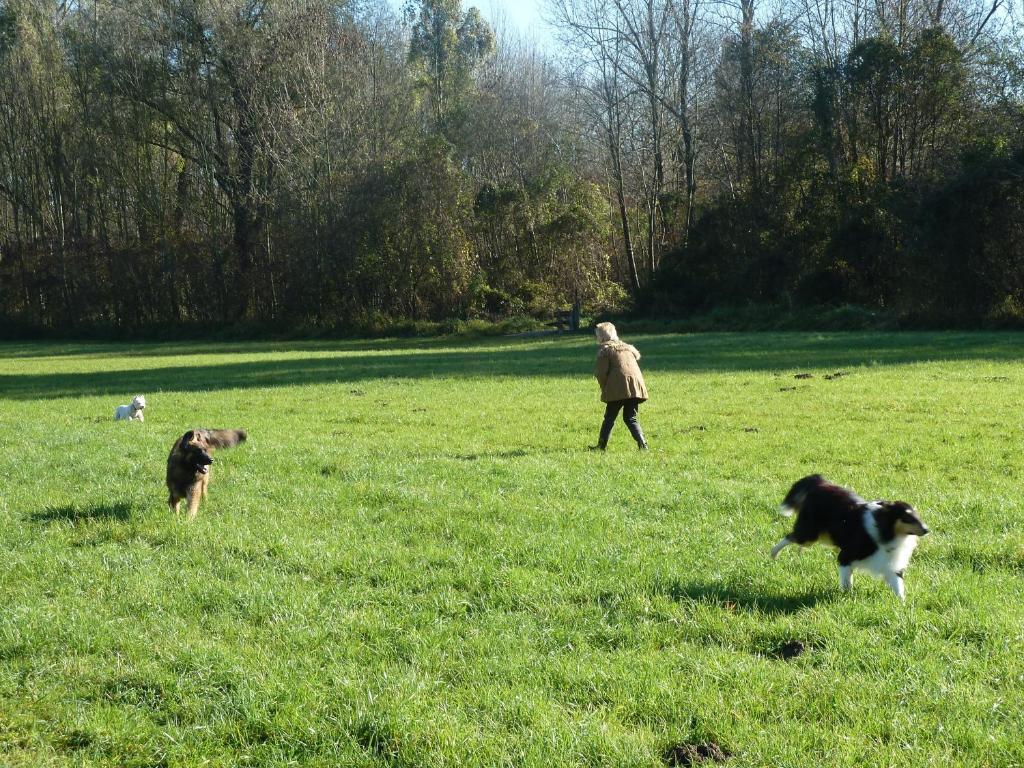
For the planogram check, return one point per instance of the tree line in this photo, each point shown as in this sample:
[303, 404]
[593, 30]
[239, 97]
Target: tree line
[322, 163]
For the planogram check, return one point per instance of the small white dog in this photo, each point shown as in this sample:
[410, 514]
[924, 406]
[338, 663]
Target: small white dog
[131, 412]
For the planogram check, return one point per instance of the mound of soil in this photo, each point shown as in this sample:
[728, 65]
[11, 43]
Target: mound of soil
[694, 754]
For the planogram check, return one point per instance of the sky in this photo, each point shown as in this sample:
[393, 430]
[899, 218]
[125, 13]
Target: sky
[522, 15]
[525, 14]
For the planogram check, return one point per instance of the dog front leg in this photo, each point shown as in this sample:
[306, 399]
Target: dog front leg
[785, 542]
[846, 577]
[895, 582]
[194, 496]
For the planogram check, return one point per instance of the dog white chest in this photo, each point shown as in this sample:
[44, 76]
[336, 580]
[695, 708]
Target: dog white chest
[891, 556]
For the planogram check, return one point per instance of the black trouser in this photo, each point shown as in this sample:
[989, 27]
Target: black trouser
[629, 410]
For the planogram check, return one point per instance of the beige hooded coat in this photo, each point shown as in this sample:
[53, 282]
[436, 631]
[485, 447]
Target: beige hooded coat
[617, 372]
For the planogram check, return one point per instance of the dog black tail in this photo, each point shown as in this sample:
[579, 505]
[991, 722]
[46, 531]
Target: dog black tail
[225, 438]
[798, 493]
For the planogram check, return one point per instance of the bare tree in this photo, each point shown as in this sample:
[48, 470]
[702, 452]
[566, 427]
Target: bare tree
[591, 31]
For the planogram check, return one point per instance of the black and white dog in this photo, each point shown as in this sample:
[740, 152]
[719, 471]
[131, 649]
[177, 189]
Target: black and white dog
[877, 536]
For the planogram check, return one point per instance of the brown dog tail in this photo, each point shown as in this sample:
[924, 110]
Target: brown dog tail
[225, 438]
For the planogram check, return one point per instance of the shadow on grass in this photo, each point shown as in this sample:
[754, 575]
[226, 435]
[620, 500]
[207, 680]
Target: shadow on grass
[182, 348]
[70, 513]
[557, 357]
[732, 598]
[516, 453]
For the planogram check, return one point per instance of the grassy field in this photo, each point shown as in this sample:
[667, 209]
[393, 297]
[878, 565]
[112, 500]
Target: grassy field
[415, 561]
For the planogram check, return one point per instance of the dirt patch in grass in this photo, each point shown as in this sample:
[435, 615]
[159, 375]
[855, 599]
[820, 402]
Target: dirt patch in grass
[378, 739]
[790, 649]
[76, 739]
[695, 754]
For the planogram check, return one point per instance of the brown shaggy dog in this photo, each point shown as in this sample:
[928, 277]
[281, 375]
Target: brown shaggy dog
[188, 466]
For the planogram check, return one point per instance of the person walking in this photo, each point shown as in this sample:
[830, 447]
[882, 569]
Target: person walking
[622, 384]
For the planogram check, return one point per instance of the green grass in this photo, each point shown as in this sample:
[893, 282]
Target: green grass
[415, 561]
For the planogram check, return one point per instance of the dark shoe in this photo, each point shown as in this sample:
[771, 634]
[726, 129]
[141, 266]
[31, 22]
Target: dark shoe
[642, 445]
[601, 445]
